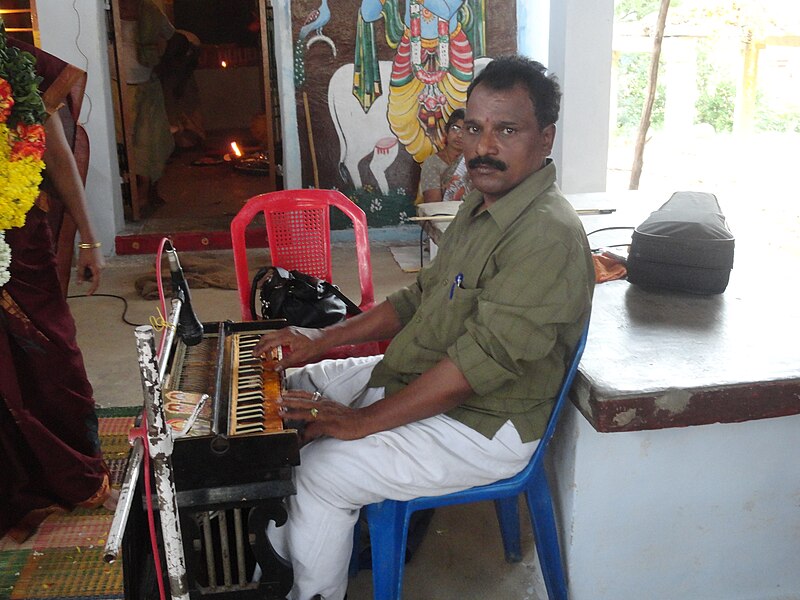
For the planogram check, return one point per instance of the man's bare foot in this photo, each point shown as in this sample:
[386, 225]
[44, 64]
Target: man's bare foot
[110, 503]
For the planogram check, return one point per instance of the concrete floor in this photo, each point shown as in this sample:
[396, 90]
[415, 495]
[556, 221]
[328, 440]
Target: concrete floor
[461, 556]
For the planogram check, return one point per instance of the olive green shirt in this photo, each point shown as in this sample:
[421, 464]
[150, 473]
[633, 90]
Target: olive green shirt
[506, 299]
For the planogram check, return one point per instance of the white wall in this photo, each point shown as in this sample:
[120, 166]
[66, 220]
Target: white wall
[580, 55]
[75, 31]
[710, 511]
[284, 57]
[533, 29]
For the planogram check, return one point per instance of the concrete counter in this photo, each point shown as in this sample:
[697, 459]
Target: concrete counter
[676, 469]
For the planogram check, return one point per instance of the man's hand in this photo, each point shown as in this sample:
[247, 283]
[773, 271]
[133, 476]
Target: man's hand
[436, 391]
[305, 344]
[322, 417]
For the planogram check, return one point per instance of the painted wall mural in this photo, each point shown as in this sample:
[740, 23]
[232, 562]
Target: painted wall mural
[376, 81]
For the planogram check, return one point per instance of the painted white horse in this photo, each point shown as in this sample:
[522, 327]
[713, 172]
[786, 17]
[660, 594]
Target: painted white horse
[362, 133]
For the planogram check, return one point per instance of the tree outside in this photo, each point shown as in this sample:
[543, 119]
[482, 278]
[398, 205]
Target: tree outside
[726, 117]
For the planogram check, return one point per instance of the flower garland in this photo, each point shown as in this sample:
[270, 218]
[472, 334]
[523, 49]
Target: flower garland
[22, 142]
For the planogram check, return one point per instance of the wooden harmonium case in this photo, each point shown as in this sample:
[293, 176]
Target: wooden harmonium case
[238, 436]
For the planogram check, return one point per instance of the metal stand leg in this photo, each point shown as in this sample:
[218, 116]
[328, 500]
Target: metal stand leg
[160, 440]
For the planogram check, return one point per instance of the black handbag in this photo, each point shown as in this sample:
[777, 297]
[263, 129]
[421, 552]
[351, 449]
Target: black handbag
[303, 300]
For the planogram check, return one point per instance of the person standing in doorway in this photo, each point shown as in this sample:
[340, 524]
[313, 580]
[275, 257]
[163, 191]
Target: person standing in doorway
[145, 32]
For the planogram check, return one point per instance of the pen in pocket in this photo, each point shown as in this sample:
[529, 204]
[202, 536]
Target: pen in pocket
[457, 280]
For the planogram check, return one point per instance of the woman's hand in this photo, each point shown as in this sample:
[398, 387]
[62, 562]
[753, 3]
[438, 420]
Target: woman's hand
[322, 417]
[90, 264]
[305, 344]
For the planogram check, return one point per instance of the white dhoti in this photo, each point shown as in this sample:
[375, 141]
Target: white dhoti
[336, 478]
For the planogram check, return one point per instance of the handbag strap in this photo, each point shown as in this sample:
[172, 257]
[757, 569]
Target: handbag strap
[255, 289]
[352, 307]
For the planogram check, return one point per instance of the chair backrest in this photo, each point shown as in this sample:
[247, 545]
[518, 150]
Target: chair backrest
[561, 398]
[298, 234]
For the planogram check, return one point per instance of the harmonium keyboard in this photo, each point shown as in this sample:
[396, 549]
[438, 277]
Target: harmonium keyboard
[238, 437]
[232, 470]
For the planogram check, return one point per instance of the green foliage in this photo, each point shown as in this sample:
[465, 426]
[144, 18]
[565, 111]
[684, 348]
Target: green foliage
[769, 119]
[633, 10]
[632, 84]
[715, 105]
[716, 97]
[17, 68]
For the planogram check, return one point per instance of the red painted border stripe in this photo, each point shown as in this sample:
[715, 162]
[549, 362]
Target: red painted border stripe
[187, 241]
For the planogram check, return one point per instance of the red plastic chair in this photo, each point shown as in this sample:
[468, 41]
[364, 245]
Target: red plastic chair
[299, 237]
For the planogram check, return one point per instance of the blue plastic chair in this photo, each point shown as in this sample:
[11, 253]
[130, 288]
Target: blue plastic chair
[388, 520]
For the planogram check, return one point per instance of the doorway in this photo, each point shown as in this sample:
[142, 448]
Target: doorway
[222, 107]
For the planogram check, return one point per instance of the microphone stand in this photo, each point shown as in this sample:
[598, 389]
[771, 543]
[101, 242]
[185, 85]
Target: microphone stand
[190, 329]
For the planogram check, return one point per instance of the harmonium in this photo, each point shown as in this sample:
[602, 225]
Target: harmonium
[232, 469]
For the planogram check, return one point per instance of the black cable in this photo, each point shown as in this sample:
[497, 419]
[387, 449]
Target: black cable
[124, 311]
[609, 245]
[608, 229]
[86, 58]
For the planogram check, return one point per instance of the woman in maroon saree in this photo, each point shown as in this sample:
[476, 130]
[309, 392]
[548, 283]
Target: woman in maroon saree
[49, 445]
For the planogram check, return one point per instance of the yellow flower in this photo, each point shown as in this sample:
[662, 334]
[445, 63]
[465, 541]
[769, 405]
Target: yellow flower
[19, 184]
[21, 150]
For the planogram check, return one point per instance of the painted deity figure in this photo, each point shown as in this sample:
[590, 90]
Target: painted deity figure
[432, 68]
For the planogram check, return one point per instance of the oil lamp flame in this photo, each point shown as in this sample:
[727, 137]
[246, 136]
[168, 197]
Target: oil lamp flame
[236, 151]
[224, 64]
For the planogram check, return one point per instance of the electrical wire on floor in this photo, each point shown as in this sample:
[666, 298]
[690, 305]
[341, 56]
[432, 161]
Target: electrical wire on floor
[124, 310]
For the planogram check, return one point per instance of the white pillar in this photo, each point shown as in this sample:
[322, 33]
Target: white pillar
[580, 54]
[284, 58]
[76, 33]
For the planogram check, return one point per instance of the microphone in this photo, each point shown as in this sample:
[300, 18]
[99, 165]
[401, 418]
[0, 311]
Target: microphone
[190, 329]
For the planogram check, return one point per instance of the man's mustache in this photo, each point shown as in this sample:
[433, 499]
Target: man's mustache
[489, 162]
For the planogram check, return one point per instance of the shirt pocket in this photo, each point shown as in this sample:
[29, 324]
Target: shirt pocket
[452, 318]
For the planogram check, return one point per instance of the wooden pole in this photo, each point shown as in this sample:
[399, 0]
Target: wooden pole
[311, 141]
[650, 96]
[269, 114]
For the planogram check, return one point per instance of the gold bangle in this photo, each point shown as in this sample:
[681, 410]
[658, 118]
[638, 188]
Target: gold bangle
[85, 246]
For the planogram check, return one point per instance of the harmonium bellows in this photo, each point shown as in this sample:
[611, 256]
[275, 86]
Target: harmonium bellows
[238, 437]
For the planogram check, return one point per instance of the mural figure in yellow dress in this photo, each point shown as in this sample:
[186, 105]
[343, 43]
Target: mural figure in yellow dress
[436, 42]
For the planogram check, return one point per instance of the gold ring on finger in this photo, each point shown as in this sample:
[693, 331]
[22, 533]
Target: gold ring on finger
[314, 412]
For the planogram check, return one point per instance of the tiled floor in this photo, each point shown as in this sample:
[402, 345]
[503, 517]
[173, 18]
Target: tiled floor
[461, 556]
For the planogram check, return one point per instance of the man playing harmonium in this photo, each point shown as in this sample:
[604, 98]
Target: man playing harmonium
[479, 349]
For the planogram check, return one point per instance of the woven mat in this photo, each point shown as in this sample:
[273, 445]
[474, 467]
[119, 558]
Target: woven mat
[200, 270]
[64, 558]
